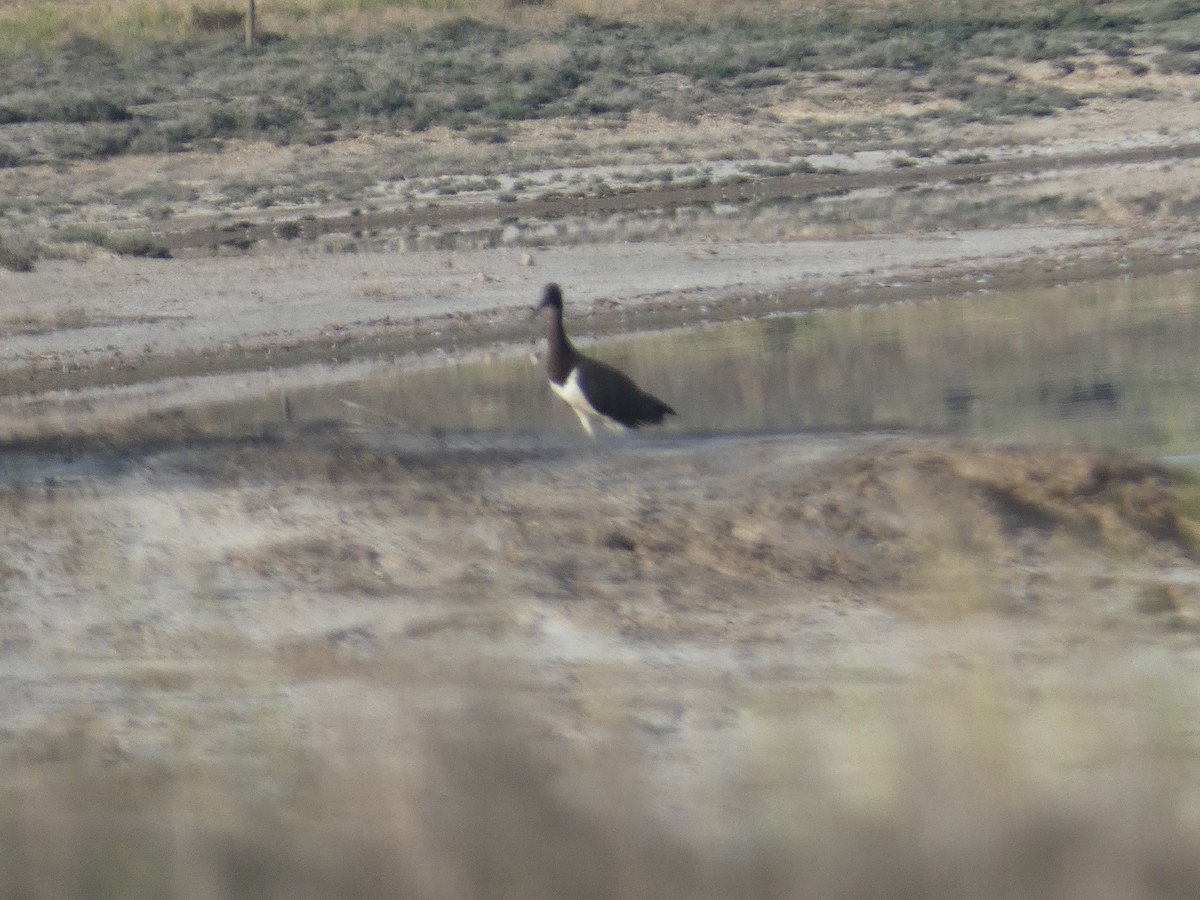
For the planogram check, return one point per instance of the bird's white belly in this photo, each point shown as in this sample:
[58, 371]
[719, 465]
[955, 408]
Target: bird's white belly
[572, 393]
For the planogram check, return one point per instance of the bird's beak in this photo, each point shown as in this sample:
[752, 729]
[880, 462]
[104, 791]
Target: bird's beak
[533, 313]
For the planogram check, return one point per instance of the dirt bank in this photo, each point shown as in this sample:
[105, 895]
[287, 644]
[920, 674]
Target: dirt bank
[289, 577]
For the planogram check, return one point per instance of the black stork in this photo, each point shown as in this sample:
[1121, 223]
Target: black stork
[594, 389]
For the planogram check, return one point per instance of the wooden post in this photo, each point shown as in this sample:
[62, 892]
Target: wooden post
[250, 25]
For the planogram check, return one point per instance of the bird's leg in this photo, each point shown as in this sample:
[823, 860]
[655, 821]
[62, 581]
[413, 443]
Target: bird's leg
[585, 421]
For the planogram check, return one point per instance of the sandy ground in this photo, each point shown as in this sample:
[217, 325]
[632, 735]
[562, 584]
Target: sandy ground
[229, 603]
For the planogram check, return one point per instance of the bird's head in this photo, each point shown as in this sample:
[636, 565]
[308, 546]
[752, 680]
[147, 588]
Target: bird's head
[551, 297]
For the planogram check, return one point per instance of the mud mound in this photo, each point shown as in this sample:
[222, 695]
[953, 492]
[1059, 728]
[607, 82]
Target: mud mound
[915, 498]
[967, 526]
[1117, 499]
[897, 519]
[713, 540]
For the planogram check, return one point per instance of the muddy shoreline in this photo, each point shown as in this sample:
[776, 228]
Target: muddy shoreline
[458, 334]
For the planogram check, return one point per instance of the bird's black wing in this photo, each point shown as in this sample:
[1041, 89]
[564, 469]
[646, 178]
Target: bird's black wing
[614, 394]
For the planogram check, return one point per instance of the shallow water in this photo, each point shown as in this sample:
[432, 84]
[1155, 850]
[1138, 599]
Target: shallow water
[1109, 363]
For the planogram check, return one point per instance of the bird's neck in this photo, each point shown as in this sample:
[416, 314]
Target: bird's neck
[561, 354]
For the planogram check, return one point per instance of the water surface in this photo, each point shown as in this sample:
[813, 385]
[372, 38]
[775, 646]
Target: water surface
[1108, 363]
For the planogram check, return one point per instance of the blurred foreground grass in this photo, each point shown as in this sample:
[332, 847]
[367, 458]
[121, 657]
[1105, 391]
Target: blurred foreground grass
[973, 782]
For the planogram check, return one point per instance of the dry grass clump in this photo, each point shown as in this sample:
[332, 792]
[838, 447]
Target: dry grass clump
[213, 19]
[959, 529]
[1115, 499]
[33, 323]
[885, 523]
[18, 253]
